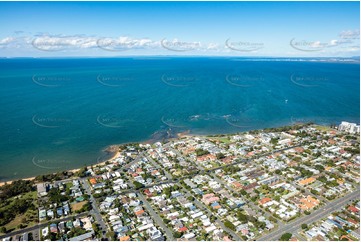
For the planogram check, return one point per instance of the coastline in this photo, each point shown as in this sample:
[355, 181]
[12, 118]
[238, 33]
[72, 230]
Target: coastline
[108, 149]
[114, 148]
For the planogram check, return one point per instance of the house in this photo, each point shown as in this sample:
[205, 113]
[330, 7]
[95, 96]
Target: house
[69, 224]
[77, 223]
[45, 231]
[53, 228]
[42, 189]
[59, 211]
[155, 234]
[42, 214]
[61, 227]
[50, 213]
[124, 238]
[183, 229]
[307, 181]
[353, 210]
[139, 213]
[236, 185]
[87, 236]
[308, 203]
[209, 198]
[264, 200]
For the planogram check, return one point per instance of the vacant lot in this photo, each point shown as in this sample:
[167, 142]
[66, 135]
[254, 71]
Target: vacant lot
[77, 206]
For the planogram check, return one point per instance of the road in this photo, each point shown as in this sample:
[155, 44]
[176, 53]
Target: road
[314, 216]
[249, 202]
[218, 221]
[169, 176]
[95, 210]
[156, 217]
[42, 225]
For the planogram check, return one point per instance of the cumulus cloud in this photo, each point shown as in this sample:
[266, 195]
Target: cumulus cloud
[56, 43]
[6, 40]
[125, 43]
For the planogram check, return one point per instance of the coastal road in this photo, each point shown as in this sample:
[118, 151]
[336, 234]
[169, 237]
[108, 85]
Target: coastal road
[156, 217]
[314, 216]
[42, 225]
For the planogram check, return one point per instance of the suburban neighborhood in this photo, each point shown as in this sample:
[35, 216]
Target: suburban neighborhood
[298, 183]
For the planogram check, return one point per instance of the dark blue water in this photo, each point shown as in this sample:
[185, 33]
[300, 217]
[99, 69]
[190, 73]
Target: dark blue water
[59, 114]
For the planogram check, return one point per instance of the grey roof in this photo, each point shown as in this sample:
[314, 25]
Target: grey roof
[82, 237]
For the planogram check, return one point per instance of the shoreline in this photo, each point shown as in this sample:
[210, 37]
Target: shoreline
[114, 148]
[116, 154]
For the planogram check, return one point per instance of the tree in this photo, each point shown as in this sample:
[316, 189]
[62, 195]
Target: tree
[286, 237]
[304, 226]
[314, 192]
[229, 225]
[111, 235]
[177, 234]
[200, 152]
[3, 230]
[82, 172]
[16, 188]
[220, 156]
[138, 185]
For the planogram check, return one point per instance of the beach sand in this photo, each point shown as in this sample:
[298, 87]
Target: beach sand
[111, 149]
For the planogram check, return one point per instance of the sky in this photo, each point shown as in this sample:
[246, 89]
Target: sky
[273, 29]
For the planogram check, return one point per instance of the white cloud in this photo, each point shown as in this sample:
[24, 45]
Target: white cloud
[6, 40]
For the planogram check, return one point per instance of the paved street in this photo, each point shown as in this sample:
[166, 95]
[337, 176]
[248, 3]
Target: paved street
[95, 211]
[41, 225]
[218, 221]
[249, 202]
[314, 216]
[156, 217]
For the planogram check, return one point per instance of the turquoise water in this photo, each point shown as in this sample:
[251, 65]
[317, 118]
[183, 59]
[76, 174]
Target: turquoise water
[61, 113]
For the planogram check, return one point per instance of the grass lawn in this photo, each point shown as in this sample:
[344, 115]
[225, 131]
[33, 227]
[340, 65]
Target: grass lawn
[77, 206]
[13, 225]
[221, 139]
[323, 128]
[69, 185]
[26, 218]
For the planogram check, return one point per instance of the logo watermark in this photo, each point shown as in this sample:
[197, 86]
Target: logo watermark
[303, 80]
[123, 44]
[314, 120]
[308, 46]
[238, 122]
[46, 163]
[178, 80]
[50, 81]
[113, 81]
[50, 122]
[243, 46]
[111, 120]
[179, 46]
[61, 43]
[244, 79]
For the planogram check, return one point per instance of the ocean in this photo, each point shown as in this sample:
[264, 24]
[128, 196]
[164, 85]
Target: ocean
[59, 114]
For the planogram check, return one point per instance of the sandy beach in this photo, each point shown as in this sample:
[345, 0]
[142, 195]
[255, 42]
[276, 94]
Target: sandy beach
[111, 149]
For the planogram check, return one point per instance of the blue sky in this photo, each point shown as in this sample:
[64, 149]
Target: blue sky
[282, 29]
